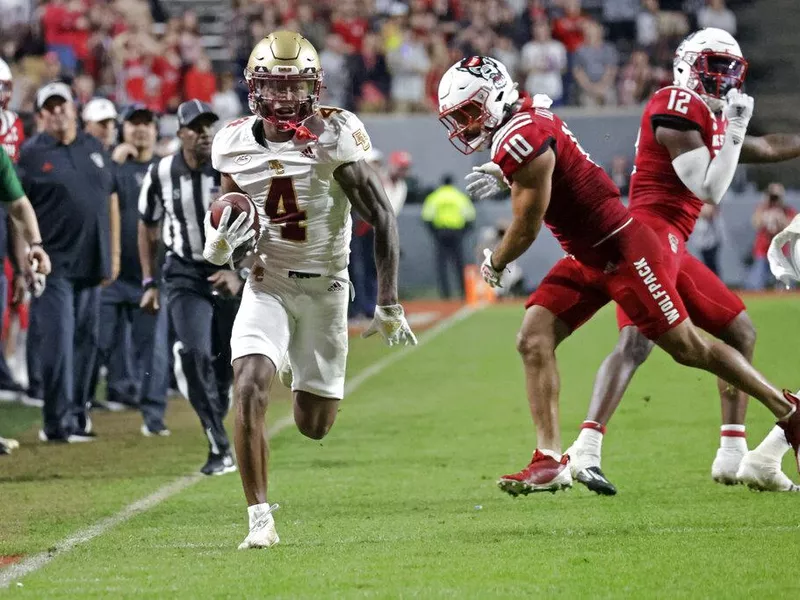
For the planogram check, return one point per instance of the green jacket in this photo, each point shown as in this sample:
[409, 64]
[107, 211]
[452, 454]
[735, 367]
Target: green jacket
[10, 186]
[448, 208]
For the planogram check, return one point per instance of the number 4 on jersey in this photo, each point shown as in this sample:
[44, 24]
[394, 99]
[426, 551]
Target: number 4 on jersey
[281, 208]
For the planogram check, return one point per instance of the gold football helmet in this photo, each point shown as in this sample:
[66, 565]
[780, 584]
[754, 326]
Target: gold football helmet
[284, 76]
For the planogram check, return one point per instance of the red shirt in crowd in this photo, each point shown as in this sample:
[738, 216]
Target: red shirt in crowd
[54, 20]
[170, 75]
[199, 85]
[352, 31]
[569, 31]
[773, 220]
[142, 85]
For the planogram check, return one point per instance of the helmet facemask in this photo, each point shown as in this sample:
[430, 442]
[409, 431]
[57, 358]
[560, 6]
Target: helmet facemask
[284, 101]
[718, 73]
[469, 124]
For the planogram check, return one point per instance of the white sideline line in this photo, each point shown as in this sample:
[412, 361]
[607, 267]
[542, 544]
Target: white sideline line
[37, 561]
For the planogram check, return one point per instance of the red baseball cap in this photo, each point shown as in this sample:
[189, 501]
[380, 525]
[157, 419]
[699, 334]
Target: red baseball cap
[400, 158]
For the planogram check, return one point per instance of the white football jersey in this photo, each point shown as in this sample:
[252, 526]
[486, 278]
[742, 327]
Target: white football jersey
[305, 215]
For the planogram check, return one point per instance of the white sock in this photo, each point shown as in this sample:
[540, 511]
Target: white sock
[590, 441]
[551, 453]
[256, 512]
[774, 445]
[733, 437]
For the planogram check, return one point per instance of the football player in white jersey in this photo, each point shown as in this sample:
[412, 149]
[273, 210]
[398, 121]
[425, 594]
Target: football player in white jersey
[303, 165]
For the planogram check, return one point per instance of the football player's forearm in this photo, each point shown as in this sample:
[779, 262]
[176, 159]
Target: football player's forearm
[18, 248]
[708, 178]
[25, 222]
[387, 257]
[365, 191]
[530, 197]
[147, 242]
[773, 147]
[515, 242]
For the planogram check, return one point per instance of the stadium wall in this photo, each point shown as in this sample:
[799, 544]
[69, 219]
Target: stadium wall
[604, 134]
[417, 269]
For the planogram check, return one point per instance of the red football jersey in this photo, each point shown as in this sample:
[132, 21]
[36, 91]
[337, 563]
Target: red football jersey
[656, 190]
[585, 208]
[11, 134]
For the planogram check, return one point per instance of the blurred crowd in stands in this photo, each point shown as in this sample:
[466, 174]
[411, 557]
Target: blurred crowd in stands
[378, 55]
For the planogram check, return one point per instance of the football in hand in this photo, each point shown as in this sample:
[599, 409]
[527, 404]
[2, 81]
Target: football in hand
[239, 203]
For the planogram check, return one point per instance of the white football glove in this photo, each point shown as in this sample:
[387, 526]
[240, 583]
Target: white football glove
[783, 267]
[222, 241]
[391, 322]
[542, 101]
[490, 275]
[738, 111]
[486, 181]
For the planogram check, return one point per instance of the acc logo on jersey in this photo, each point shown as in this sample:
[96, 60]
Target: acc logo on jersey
[485, 67]
[277, 166]
[673, 243]
[361, 139]
[97, 159]
[242, 159]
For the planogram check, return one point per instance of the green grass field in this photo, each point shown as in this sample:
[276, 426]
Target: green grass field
[400, 500]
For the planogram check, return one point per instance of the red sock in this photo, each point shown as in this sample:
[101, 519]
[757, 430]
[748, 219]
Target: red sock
[594, 425]
[734, 431]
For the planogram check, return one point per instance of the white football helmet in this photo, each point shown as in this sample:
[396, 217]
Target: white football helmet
[710, 62]
[475, 96]
[6, 85]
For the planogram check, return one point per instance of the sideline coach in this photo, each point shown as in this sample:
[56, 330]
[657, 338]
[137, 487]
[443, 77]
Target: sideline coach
[69, 179]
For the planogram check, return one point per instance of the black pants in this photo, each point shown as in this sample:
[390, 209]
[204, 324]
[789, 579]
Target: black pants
[449, 251]
[711, 259]
[203, 323]
[140, 341]
[63, 333]
[363, 275]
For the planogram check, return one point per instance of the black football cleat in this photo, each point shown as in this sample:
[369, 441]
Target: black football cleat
[594, 479]
[218, 464]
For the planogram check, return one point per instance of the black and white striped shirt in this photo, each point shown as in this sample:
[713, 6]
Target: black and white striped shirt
[179, 196]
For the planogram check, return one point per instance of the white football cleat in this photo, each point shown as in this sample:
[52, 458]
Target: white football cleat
[584, 466]
[285, 375]
[262, 527]
[580, 459]
[726, 465]
[764, 475]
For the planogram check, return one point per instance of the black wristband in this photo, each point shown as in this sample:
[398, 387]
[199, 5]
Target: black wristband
[150, 284]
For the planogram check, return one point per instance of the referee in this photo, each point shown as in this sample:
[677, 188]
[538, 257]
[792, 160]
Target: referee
[201, 299]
